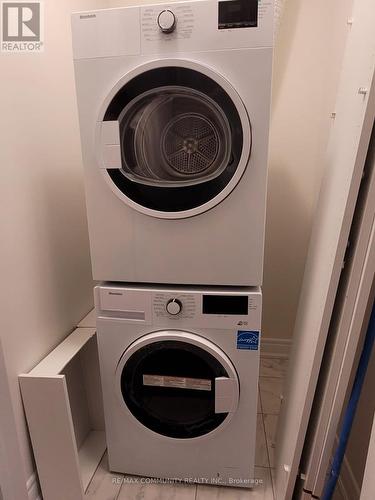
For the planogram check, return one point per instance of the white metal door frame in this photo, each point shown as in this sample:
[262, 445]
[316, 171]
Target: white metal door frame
[347, 331]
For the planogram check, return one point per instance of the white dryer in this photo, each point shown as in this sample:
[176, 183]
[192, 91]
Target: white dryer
[174, 104]
[179, 371]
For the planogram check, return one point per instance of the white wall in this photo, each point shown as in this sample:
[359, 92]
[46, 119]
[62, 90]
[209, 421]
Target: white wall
[307, 62]
[44, 261]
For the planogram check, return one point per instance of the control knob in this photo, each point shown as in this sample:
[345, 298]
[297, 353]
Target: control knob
[166, 21]
[174, 306]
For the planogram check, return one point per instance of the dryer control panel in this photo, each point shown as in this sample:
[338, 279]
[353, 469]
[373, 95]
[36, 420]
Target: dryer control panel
[238, 14]
[165, 28]
[175, 307]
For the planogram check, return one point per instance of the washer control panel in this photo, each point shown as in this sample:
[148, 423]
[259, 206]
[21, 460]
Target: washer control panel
[206, 309]
[166, 307]
[174, 306]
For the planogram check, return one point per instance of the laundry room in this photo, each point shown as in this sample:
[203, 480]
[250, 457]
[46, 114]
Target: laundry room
[187, 250]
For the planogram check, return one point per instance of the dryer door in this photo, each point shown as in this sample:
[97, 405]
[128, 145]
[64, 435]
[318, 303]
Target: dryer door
[174, 139]
[177, 384]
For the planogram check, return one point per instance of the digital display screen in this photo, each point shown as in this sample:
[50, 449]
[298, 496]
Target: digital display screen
[238, 14]
[225, 304]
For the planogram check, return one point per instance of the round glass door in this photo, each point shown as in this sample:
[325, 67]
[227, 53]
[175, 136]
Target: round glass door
[170, 387]
[183, 140]
[172, 136]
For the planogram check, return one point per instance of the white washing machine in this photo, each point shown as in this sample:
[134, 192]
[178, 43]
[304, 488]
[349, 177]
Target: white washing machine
[179, 372]
[174, 104]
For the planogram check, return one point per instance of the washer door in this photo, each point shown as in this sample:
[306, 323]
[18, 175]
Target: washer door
[174, 139]
[177, 384]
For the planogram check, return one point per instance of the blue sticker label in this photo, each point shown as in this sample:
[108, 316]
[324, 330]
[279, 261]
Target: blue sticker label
[248, 339]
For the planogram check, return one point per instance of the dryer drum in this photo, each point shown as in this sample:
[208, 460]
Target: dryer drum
[190, 144]
[174, 135]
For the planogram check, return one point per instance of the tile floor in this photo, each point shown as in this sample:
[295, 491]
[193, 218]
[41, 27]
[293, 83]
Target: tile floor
[108, 486]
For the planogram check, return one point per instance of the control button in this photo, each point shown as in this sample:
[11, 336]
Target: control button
[174, 306]
[166, 21]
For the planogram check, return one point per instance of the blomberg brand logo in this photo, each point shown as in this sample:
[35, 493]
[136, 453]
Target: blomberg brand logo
[22, 27]
[87, 16]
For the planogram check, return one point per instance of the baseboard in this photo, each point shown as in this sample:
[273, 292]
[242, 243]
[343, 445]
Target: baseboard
[32, 486]
[275, 348]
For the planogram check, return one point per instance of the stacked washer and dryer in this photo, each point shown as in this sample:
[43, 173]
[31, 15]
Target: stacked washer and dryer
[174, 103]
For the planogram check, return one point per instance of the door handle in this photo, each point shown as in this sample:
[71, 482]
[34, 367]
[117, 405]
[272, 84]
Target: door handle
[226, 395]
[110, 144]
